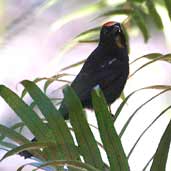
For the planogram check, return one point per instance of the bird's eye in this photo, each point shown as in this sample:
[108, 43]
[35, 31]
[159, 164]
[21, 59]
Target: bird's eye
[107, 30]
[117, 28]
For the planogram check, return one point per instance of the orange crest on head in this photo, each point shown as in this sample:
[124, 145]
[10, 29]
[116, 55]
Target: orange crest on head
[110, 23]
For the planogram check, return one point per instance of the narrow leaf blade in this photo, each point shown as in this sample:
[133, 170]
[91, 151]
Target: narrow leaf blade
[61, 133]
[111, 141]
[154, 14]
[139, 20]
[87, 144]
[27, 115]
[160, 157]
[168, 6]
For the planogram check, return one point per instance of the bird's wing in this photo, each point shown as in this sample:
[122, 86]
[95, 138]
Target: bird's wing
[94, 72]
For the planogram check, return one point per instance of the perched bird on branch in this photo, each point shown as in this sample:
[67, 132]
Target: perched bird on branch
[107, 66]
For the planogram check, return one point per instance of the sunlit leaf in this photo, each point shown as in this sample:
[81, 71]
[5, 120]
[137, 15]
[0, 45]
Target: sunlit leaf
[168, 6]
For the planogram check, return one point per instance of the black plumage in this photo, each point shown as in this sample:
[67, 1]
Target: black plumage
[107, 66]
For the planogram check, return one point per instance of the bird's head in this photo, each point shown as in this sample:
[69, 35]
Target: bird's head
[112, 35]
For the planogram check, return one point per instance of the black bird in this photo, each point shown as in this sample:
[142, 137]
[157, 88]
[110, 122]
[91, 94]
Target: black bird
[107, 66]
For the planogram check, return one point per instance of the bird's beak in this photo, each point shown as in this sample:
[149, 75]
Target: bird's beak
[118, 42]
[118, 37]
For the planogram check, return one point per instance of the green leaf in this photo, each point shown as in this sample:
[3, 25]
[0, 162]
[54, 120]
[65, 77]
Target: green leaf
[146, 129]
[142, 105]
[35, 81]
[13, 127]
[89, 36]
[86, 142]
[54, 78]
[64, 141]
[7, 145]
[166, 58]
[93, 39]
[151, 56]
[13, 135]
[27, 146]
[89, 31]
[140, 21]
[73, 65]
[168, 6]
[159, 87]
[161, 155]
[147, 164]
[28, 116]
[119, 109]
[111, 141]
[154, 14]
[148, 56]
